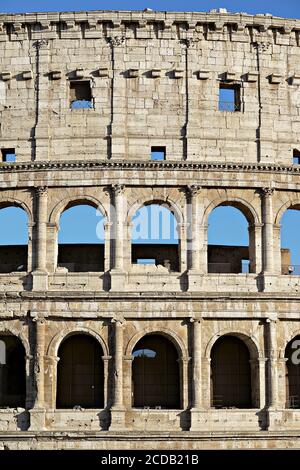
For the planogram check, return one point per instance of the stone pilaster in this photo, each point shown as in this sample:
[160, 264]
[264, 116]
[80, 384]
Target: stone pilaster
[117, 273]
[196, 238]
[118, 409]
[40, 276]
[272, 369]
[255, 247]
[262, 381]
[106, 360]
[197, 363]
[41, 128]
[268, 242]
[37, 414]
[197, 373]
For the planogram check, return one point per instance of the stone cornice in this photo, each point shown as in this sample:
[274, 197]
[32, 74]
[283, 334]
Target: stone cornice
[148, 165]
[70, 25]
[64, 296]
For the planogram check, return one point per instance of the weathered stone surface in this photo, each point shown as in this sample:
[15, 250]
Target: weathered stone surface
[154, 81]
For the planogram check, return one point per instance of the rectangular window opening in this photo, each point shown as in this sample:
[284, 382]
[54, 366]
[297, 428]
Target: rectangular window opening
[80, 94]
[245, 266]
[145, 261]
[8, 155]
[229, 97]
[296, 157]
[158, 153]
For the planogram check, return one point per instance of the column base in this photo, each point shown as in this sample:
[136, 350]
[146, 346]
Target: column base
[39, 280]
[274, 419]
[117, 280]
[37, 419]
[117, 419]
[195, 280]
[198, 421]
[270, 282]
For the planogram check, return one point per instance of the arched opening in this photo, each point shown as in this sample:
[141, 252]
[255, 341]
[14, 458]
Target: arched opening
[13, 239]
[290, 247]
[155, 238]
[81, 239]
[12, 372]
[80, 373]
[228, 242]
[230, 374]
[292, 354]
[155, 373]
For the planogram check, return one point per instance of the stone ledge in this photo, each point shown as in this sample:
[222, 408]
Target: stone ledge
[138, 165]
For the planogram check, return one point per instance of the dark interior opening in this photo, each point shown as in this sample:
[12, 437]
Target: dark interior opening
[13, 258]
[12, 372]
[164, 254]
[158, 153]
[80, 94]
[81, 257]
[230, 374]
[80, 373]
[293, 374]
[8, 155]
[155, 373]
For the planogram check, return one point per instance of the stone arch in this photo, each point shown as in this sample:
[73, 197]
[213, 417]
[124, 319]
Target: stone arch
[13, 202]
[170, 256]
[292, 372]
[14, 332]
[80, 375]
[72, 201]
[58, 339]
[290, 337]
[162, 201]
[232, 261]
[244, 206]
[15, 370]
[159, 362]
[169, 334]
[290, 204]
[250, 341]
[285, 247]
[234, 375]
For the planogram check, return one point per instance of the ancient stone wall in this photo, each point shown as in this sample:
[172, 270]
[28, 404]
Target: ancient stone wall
[154, 80]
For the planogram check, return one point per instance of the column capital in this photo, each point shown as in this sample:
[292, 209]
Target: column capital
[52, 359]
[128, 358]
[116, 41]
[118, 321]
[42, 191]
[271, 320]
[106, 358]
[266, 192]
[193, 189]
[262, 360]
[39, 318]
[184, 360]
[196, 320]
[118, 189]
[183, 225]
[255, 226]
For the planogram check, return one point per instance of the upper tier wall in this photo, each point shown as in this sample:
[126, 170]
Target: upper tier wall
[155, 81]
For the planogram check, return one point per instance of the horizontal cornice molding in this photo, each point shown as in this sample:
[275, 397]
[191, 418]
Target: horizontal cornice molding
[149, 165]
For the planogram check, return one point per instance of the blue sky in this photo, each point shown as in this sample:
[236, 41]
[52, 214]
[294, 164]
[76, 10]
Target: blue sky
[287, 8]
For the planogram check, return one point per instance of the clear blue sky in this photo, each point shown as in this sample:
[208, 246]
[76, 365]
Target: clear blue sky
[287, 8]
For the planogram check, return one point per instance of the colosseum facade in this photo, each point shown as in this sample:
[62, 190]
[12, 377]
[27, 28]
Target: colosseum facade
[97, 350]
